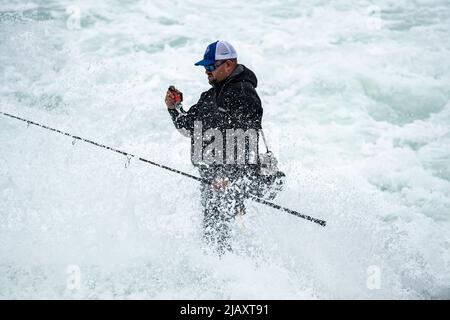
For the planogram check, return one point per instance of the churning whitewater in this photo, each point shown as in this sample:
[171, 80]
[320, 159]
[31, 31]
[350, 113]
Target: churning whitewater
[356, 98]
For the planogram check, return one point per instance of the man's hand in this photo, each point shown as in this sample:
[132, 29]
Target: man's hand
[220, 184]
[173, 97]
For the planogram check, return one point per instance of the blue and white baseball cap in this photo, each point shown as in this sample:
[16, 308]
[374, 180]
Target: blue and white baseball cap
[219, 50]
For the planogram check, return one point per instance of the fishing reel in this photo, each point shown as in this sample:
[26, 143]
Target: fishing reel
[178, 97]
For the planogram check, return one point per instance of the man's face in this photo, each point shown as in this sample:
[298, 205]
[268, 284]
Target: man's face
[222, 71]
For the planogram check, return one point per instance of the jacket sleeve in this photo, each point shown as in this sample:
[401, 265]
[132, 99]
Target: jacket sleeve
[184, 119]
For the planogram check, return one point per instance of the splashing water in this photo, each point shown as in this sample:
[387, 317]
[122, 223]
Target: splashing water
[356, 104]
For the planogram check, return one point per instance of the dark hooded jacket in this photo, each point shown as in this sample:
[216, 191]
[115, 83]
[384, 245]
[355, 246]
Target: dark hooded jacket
[231, 104]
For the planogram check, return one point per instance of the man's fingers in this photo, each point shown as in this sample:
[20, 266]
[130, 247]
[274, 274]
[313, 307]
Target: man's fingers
[170, 99]
[169, 95]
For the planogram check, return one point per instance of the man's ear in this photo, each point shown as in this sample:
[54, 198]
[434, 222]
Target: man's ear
[229, 64]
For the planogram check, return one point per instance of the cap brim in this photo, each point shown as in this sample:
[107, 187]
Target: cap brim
[204, 62]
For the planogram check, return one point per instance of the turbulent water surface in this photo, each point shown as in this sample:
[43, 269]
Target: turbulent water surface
[356, 98]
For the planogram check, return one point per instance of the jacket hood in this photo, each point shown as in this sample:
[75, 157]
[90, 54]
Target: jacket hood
[242, 73]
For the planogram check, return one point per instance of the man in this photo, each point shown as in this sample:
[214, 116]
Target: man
[230, 111]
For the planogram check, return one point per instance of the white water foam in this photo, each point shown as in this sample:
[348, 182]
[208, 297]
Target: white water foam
[356, 106]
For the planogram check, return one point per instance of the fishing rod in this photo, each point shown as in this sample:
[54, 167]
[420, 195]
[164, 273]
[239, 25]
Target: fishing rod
[130, 156]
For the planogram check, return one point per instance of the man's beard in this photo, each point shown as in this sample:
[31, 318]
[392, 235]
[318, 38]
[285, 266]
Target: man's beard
[212, 81]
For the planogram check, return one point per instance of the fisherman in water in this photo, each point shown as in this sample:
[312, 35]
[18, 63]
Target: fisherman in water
[223, 126]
